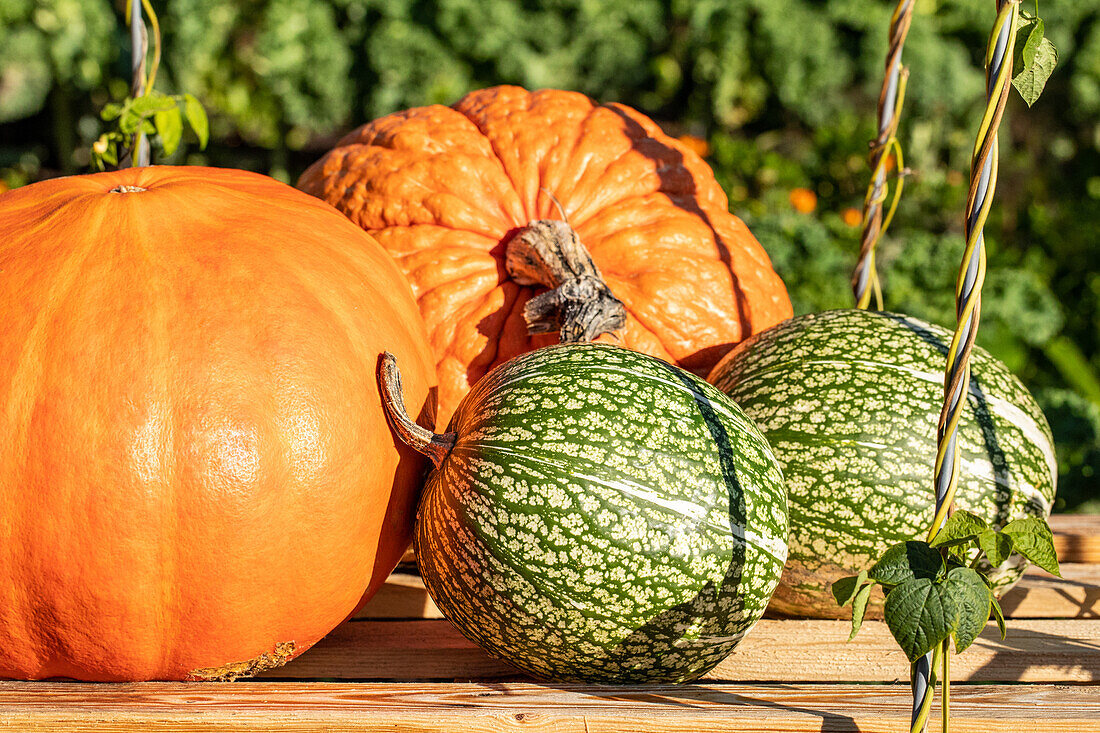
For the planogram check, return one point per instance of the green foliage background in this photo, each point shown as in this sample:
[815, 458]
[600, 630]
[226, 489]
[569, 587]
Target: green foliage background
[783, 90]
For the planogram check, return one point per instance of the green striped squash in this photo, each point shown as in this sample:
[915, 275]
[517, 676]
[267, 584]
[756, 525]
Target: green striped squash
[849, 401]
[603, 516]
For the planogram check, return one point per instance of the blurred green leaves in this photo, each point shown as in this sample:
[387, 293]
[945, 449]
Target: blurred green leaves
[784, 91]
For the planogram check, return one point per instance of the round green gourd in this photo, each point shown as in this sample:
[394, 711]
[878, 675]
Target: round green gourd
[602, 516]
[849, 400]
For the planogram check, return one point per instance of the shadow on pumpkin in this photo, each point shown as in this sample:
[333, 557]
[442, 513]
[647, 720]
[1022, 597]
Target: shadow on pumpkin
[504, 330]
[979, 403]
[401, 510]
[665, 631]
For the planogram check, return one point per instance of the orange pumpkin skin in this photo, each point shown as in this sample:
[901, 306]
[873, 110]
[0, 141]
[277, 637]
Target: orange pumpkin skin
[442, 188]
[196, 468]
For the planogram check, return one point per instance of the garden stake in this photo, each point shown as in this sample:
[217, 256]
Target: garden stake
[139, 41]
[865, 278]
[968, 300]
[146, 112]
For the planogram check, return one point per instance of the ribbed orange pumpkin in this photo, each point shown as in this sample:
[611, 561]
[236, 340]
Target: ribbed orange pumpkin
[196, 478]
[444, 188]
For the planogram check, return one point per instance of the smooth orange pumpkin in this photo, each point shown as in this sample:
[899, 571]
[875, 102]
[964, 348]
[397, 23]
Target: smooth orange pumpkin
[196, 478]
[444, 188]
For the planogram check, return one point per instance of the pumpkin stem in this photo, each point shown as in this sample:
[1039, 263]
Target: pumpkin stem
[433, 445]
[579, 304]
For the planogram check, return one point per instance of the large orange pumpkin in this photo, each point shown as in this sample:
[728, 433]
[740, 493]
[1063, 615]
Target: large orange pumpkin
[445, 188]
[196, 478]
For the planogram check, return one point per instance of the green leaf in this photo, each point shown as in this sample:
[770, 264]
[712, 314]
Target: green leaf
[169, 125]
[844, 590]
[971, 598]
[999, 615]
[130, 122]
[1032, 538]
[859, 608]
[1029, 34]
[196, 118]
[920, 614]
[151, 103]
[997, 546]
[1032, 79]
[110, 111]
[1034, 40]
[905, 561]
[961, 528]
[960, 525]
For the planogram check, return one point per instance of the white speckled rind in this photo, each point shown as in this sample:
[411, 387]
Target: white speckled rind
[849, 401]
[604, 516]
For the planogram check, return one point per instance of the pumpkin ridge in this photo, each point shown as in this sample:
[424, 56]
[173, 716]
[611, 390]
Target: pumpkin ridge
[586, 156]
[515, 313]
[656, 334]
[455, 319]
[579, 217]
[504, 169]
[159, 325]
[68, 273]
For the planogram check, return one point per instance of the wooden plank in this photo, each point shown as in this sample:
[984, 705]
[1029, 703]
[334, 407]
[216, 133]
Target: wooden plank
[402, 596]
[818, 651]
[1039, 595]
[1076, 537]
[484, 708]
[776, 650]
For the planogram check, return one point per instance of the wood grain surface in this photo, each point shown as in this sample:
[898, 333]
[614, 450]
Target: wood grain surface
[257, 707]
[1076, 595]
[1039, 595]
[1076, 537]
[1036, 650]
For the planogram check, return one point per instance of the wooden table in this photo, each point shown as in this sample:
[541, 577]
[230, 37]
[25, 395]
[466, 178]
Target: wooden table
[399, 666]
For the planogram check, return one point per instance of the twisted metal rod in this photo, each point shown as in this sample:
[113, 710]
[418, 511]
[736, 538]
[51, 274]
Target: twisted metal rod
[865, 277]
[139, 42]
[968, 305]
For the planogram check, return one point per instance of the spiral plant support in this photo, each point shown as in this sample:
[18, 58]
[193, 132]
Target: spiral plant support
[865, 278]
[968, 303]
[139, 43]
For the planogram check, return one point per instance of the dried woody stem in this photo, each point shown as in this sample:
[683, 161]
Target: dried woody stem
[865, 278]
[968, 303]
[435, 446]
[579, 304]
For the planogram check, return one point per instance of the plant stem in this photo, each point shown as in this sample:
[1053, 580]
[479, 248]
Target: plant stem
[436, 446]
[945, 691]
[578, 305]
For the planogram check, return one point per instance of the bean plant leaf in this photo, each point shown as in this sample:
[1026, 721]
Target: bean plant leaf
[1032, 538]
[196, 117]
[1030, 81]
[129, 121]
[906, 561]
[110, 111]
[844, 590]
[149, 104]
[960, 525]
[961, 528]
[169, 126]
[997, 546]
[1029, 34]
[971, 597]
[920, 614]
[859, 608]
